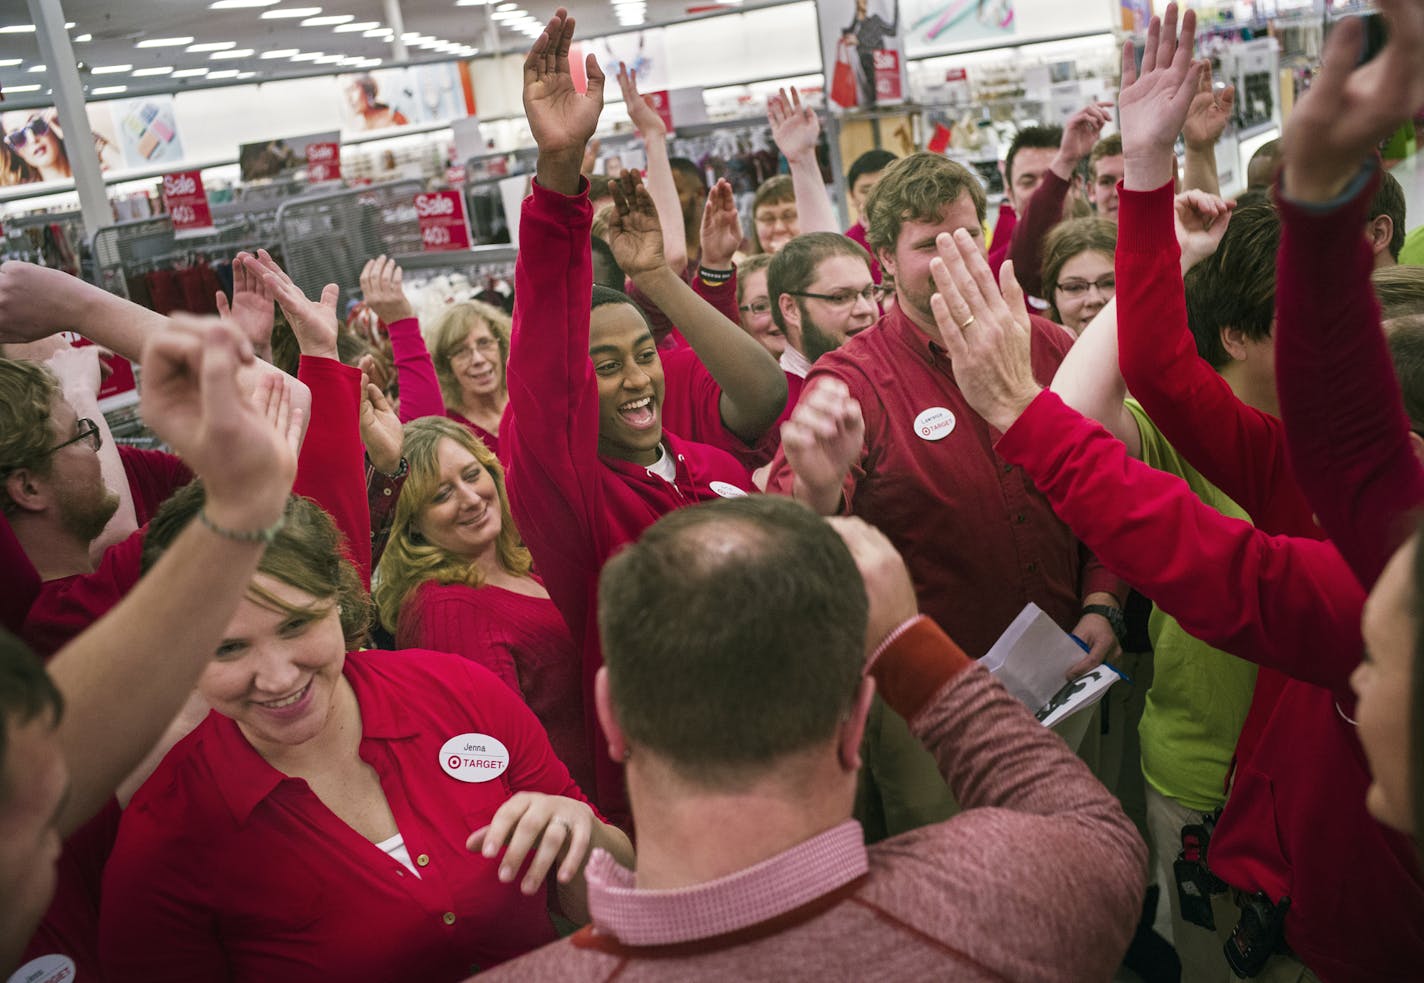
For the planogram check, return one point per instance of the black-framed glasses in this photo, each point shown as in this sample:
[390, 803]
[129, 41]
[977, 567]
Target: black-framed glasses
[18, 138]
[1077, 288]
[841, 298]
[88, 432]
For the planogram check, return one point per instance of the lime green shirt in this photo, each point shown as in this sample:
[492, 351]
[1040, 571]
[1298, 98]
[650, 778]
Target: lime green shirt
[1413, 252]
[1199, 695]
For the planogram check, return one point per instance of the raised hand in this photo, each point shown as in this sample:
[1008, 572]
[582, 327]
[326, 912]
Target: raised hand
[721, 227]
[1208, 113]
[313, 321]
[243, 447]
[560, 117]
[1201, 222]
[633, 229]
[888, 586]
[650, 125]
[381, 430]
[795, 128]
[251, 309]
[561, 827]
[381, 289]
[822, 439]
[1340, 121]
[1153, 105]
[985, 329]
[1081, 133]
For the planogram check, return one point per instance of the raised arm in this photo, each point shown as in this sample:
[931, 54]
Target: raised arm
[1045, 208]
[796, 129]
[661, 185]
[252, 309]
[1206, 120]
[753, 385]
[419, 387]
[1345, 421]
[1090, 381]
[129, 673]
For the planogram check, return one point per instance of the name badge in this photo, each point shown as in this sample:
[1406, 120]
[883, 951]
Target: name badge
[54, 968]
[935, 423]
[727, 490]
[474, 757]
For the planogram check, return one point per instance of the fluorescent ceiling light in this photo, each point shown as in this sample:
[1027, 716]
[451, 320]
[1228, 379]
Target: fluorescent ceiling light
[22, 88]
[328, 59]
[211, 46]
[226, 73]
[239, 4]
[187, 73]
[384, 34]
[83, 38]
[163, 42]
[473, 3]
[327, 20]
[506, 6]
[280, 53]
[234, 53]
[69, 25]
[165, 70]
[108, 90]
[284, 12]
[309, 56]
[110, 69]
[8, 62]
[246, 75]
[17, 29]
[362, 25]
[37, 68]
[508, 16]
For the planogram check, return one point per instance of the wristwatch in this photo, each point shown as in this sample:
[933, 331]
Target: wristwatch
[1114, 616]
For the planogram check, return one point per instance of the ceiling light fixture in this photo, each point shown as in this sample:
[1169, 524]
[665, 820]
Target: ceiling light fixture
[187, 73]
[165, 70]
[327, 20]
[110, 69]
[235, 53]
[36, 68]
[281, 13]
[211, 46]
[17, 29]
[163, 42]
[280, 53]
[108, 90]
[22, 88]
[8, 62]
[361, 25]
[83, 38]
[239, 4]
[226, 73]
[309, 56]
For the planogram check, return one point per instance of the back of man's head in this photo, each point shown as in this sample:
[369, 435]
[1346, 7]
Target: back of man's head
[917, 188]
[1406, 351]
[1261, 171]
[1389, 202]
[870, 162]
[1235, 287]
[606, 271]
[733, 635]
[1039, 137]
[27, 395]
[793, 269]
[1400, 290]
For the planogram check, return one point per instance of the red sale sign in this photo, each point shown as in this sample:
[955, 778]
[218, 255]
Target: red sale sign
[443, 223]
[662, 105]
[887, 76]
[323, 162]
[187, 204]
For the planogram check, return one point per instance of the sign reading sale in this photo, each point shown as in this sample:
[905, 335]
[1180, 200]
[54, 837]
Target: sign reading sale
[443, 223]
[323, 162]
[187, 204]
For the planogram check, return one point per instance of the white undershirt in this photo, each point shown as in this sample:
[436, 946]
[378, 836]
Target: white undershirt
[664, 467]
[395, 847]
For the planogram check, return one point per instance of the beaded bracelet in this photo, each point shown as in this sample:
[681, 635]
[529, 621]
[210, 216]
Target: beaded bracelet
[263, 536]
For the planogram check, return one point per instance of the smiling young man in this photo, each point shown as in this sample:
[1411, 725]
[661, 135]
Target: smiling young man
[978, 537]
[590, 465]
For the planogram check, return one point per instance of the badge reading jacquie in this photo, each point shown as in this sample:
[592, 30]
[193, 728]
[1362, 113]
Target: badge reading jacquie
[935, 423]
[474, 757]
[726, 490]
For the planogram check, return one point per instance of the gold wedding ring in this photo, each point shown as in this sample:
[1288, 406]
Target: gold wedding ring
[965, 325]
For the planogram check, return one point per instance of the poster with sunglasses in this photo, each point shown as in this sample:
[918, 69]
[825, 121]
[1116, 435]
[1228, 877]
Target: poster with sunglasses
[33, 151]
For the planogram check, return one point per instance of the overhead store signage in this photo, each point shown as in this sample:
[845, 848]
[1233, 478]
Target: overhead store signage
[187, 204]
[862, 53]
[323, 162]
[443, 221]
[929, 27]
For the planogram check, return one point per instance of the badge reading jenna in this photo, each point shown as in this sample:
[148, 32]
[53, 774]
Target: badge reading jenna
[474, 757]
[935, 423]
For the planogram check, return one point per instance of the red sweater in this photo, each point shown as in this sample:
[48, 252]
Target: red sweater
[574, 507]
[521, 639]
[1295, 823]
[152, 477]
[1043, 211]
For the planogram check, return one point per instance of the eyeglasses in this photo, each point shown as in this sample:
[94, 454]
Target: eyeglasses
[18, 138]
[88, 432]
[758, 307]
[841, 298]
[1077, 288]
[485, 346]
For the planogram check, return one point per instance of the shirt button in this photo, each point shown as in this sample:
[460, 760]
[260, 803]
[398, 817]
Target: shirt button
[423, 860]
[1008, 468]
[448, 918]
[1032, 568]
[386, 492]
[1020, 518]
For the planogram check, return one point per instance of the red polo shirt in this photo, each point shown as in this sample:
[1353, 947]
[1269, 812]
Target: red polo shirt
[227, 869]
[692, 408]
[979, 539]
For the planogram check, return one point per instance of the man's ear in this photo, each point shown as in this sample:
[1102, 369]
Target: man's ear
[27, 490]
[1379, 231]
[603, 705]
[852, 729]
[1234, 341]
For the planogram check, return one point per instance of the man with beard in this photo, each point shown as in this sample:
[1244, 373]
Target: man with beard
[821, 294]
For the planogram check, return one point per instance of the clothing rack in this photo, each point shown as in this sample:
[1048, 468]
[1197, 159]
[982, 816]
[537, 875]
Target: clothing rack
[54, 239]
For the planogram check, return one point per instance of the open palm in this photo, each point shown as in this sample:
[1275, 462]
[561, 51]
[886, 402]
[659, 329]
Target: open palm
[561, 118]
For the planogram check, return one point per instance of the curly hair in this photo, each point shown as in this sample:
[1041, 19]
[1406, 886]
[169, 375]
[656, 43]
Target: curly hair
[27, 395]
[450, 332]
[917, 188]
[409, 560]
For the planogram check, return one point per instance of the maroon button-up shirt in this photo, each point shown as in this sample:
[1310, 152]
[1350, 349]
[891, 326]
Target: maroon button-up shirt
[979, 539]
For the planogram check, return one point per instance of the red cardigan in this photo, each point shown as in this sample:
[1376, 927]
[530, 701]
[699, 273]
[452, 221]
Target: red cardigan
[575, 508]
